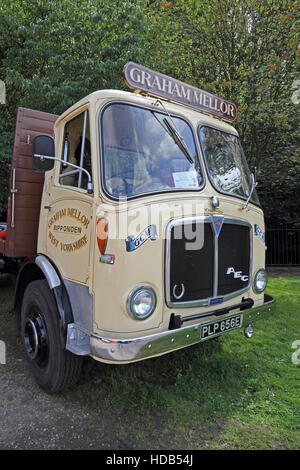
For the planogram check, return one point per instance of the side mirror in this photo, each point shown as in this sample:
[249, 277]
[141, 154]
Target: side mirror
[43, 153]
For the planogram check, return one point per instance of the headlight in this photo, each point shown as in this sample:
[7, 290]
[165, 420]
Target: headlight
[141, 303]
[260, 281]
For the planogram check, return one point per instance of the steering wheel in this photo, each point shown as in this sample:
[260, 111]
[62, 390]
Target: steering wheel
[151, 186]
[123, 189]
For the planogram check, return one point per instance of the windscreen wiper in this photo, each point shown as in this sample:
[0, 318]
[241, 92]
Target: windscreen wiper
[178, 139]
[173, 132]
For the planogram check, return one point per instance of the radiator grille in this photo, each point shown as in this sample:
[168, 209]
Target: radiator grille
[221, 268]
[234, 252]
[192, 269]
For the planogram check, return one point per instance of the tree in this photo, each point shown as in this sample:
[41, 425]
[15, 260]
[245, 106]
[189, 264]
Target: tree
[54, 53]
[246, 51]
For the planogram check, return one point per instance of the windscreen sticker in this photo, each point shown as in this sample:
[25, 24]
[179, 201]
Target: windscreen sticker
[185, 179]
[77, 227]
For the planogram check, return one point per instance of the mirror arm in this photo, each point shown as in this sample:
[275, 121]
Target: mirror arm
[253, 186]
[90, 186]
[255, 175]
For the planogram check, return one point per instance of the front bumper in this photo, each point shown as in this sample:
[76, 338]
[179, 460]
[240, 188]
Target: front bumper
[129, 350]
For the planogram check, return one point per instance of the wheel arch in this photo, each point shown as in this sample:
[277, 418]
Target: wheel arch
[42, 268]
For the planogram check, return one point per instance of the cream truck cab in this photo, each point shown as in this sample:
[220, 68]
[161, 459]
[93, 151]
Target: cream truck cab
[150, 233]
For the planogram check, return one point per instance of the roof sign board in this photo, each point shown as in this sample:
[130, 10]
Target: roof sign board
[141, 78]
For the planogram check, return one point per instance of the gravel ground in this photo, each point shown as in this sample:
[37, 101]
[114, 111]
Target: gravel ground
[31, 419]
[74, 419]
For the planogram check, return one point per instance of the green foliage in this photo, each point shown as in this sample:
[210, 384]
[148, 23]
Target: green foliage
[245, 51]
[53, 53]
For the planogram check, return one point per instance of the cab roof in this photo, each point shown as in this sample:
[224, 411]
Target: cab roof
[97, 98]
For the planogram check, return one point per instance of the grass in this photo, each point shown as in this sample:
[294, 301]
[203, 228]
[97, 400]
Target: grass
[230, 393]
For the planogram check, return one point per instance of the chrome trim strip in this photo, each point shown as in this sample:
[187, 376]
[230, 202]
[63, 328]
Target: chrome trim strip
[48, 270]
[216, 258]
[205, 302]
[230, 220]
[127, 350]
[170, 225]
[82, 147]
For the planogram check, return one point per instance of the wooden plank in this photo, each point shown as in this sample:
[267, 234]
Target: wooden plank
[9, 247]
[24, 133]
[28, 214]
[37, 126]
[27, 200]
[2, 247]
[26, 228]
[24, 162]
[21, 242]
[25, 150]
[29, 176]
[41, 115]
[22, 238]
[31, 189]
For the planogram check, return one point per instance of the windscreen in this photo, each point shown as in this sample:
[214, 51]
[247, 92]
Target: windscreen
[144, 151]
[226, 163]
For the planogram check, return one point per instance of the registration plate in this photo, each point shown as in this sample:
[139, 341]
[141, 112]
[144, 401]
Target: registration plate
[218, 327]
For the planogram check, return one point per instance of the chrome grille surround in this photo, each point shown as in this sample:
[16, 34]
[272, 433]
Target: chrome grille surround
[205, 219]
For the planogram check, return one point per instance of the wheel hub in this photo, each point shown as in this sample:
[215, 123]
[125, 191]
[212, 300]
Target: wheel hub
[36, 339]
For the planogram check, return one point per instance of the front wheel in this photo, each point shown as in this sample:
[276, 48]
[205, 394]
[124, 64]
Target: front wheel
[53, 367]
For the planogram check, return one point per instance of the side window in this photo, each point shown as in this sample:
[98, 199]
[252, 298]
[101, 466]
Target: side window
[77, 151]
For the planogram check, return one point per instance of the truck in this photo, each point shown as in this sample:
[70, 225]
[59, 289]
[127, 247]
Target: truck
[134, 228]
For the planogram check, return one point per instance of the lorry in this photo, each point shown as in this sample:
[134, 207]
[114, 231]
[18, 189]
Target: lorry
[134, 227]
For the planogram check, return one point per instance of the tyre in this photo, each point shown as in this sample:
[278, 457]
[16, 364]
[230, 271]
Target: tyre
[53, 367]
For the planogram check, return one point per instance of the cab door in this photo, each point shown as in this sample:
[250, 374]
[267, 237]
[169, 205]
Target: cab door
[68, 240]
